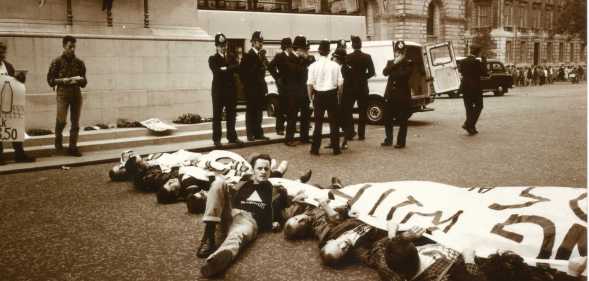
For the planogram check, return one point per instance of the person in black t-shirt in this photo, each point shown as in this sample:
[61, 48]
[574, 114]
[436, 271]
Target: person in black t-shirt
[242, 209]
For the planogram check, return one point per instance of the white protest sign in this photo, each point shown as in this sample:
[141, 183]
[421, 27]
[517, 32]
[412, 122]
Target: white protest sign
[12, 109]
[542, 224]
[156, 125]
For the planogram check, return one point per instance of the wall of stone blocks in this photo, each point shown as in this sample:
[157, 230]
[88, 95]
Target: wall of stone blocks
[134, 79]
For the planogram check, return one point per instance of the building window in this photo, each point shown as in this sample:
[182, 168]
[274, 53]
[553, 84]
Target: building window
[549, 52]
[508, 14]
[508, 50]
[521, 16]
[523, 52]
[485, 16]
[572, 52]
[560, 52]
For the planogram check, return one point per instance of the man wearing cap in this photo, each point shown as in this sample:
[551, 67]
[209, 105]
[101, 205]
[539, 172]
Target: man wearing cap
[361, 69]
[472, 70]
[296, 88]
[223, 90]
[7, 69]
[324, 81]
[397, 95]
[277, 68]
[252, 74]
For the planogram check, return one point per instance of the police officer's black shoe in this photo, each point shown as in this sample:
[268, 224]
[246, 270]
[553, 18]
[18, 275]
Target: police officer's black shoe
[217, 144]
[262, 138]
[314, 152]
[23, 158]
[470, 131]
[74, 151]
[399, 146]
[344, 145]
[337, 152]
[386, 143]
[236, 141]
[291, 143]
[361, 138]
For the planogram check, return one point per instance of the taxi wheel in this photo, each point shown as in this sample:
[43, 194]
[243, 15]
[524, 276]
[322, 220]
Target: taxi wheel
[375, 111]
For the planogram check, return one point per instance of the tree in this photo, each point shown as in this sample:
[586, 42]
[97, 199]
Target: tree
[572, 20]
[485, 41]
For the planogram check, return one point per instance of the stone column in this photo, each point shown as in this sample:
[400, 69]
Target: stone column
[146, 13]
[70, 16]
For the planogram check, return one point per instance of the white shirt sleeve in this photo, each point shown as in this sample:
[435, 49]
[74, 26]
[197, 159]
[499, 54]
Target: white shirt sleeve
[311, 79]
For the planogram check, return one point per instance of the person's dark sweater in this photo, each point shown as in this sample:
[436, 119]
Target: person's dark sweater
[256, 199]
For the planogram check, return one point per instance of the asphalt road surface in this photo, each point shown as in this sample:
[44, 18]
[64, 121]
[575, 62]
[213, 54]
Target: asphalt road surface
[76, 225]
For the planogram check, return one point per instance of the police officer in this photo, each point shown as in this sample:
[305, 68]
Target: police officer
[223, 89]
[472, 70]
[252, 74]
[297, 99]
[397, 95]
[277, 68]
[361, 69]
[324, 81]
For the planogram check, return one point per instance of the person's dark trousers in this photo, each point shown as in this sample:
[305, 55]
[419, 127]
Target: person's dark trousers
[297, 104]
[473, 105]
[281, 113]
[221, 102]
[325, 101]
[401, 116]
[18, 149]
[348, 101]
[73, 102]
[253, 119]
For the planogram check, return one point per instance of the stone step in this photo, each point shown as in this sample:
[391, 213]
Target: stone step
[122, 143]
[121, 133]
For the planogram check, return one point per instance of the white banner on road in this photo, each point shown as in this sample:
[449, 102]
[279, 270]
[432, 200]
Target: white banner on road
[542, 224]
[12, 109]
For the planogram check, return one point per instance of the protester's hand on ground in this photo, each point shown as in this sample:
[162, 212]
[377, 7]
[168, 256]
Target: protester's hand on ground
[577, 265]
[468, 255]
[414, 233]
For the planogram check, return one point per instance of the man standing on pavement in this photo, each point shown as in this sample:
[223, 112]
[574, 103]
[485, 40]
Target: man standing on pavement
[296, 88]
[241, 210]
[361, 69]
[324, 81]
[397, 95]
[472, 69]
[277, 68]
[253, 73]
[7, 69]
[67, 74]
[223, 90]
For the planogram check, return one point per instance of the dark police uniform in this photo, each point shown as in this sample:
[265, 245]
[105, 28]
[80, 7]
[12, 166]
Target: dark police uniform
[298, 99]
[472, 94]
[252, 74]
[397, 97]
[277, 69]
[223, 92]
[361, 69]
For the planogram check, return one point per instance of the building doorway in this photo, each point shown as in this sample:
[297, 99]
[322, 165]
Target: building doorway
[536, 53]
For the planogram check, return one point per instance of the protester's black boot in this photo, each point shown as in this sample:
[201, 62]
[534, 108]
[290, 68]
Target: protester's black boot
[336, 183]
[207, 243]
[306, 177]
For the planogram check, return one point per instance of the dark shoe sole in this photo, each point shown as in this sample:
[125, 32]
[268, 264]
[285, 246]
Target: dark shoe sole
[216, 264]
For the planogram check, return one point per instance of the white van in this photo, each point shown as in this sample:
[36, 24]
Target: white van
[436, 73]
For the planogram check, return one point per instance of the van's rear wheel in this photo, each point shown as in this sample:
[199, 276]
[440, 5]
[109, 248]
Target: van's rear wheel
[500, 91]
[375, 111]
[453, 95]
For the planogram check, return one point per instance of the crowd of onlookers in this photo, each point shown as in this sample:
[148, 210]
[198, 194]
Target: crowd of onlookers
[540, 75]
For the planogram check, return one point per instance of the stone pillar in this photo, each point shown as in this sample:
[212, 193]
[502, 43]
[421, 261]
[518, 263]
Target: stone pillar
[70, 16]
[146, 13]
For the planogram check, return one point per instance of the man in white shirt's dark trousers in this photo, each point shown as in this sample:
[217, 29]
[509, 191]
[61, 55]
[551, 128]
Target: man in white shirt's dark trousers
[323, 82]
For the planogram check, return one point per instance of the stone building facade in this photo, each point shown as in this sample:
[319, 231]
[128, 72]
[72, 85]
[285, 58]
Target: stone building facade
[421, 21]
[523, 31]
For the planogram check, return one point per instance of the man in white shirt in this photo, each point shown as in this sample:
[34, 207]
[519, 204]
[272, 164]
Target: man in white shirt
[324, 82]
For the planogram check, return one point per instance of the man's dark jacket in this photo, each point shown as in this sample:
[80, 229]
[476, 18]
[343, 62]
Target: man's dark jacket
[252, 74]
[223, 80]
[472, 70]
[361, 69]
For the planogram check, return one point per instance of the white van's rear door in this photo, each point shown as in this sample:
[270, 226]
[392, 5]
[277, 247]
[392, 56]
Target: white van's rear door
[442, 65]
